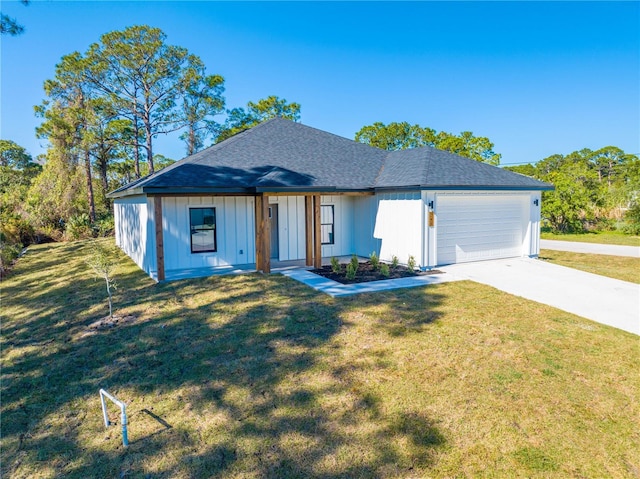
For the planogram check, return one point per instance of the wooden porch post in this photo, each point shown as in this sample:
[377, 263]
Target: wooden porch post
[259, 233]
[263, 235]
[317, 240]
[266, 238]
[308, 228]
[157, 220]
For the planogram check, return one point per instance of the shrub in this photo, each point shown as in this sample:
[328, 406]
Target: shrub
[8, 254]
[79, 227]
[355, 262]
[633, 220]
[394, 261]
[335, 265]
[104, 226]
[14, 229]
[384, 270]
[351, 270]
[375, 262]
[411, 264]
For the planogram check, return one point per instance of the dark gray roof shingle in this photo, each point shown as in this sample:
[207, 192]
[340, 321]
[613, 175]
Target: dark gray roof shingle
[281, 154]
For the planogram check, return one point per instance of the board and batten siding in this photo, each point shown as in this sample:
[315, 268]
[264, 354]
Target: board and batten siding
[134, 230]
[235, 232]
[291, 229]
[291, 232]
[399, 226]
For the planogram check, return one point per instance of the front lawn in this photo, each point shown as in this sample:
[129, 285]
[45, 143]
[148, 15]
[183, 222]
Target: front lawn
[258, 376]
[602, 237]
[618, 267]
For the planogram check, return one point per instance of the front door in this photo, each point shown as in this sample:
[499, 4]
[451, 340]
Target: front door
[273, 218]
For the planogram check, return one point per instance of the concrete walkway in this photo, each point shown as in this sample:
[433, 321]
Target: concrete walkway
[593, 248]
[335, 289]
[605, 300]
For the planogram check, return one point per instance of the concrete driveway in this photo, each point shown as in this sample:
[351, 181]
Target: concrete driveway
[605, 300]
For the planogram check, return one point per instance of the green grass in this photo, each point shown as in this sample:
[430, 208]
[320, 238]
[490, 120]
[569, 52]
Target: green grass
[261, 377]
[618, 267]
[602, 237]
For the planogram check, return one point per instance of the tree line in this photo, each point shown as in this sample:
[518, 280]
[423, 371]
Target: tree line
[594, 190]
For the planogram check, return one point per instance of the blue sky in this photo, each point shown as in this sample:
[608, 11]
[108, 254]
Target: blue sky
[537, 78]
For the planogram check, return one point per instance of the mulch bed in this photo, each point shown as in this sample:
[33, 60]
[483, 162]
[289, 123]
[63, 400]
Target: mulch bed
[366, 273]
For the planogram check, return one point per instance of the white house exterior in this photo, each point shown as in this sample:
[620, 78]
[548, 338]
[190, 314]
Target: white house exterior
[234, 206]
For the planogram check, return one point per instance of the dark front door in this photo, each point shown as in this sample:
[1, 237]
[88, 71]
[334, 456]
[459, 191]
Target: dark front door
[273, 218]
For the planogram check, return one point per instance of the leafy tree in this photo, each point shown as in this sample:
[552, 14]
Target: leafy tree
[70, 111]
[239, 119]
[103, 261]
[17, 171]
[396, 136]
[526, 170]
[10, 26]
[202, 99]
[14, 156]
[569, 206]
[143, 78]
[400, 136]
[478, 148]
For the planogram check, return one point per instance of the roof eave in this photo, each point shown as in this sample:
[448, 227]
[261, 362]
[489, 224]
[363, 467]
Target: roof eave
[544, 187]
[127, 192]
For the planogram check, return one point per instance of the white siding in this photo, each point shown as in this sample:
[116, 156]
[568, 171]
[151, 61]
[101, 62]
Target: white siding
[399, 225]
[291, 230]
[135, 232]
[532, 241]
[342, 227]
[291, 226]
[365, 210]
[477, 226]
[235, 237]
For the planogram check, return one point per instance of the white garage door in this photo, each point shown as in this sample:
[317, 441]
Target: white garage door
[480, 227]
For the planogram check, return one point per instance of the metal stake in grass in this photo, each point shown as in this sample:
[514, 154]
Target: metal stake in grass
[123, 414]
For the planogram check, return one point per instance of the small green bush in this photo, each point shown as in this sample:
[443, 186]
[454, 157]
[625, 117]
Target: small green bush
[335, 265]
[351, 270]
[375, 261]
[104, 227]
[384, 270]
[79, 227]
[394, 261]
[355, 262]
[411, 264]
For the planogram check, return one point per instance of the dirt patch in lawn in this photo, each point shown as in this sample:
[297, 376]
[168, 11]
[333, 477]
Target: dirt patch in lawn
[367, 273]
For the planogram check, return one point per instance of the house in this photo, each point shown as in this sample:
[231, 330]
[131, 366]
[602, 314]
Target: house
[285, 191]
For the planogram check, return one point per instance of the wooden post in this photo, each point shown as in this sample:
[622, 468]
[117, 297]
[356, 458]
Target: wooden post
[308, 228]
[157, 220]
[263, 235]
[259, 233]
[317, 240]
[266, 236]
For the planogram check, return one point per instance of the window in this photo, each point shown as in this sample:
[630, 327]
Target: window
[203, 229]
[326, 224]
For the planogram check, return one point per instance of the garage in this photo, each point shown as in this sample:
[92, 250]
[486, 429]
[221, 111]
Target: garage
[476, 227]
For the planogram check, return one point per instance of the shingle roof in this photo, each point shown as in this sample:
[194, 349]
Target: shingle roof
[283, 155]
[433, 168]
